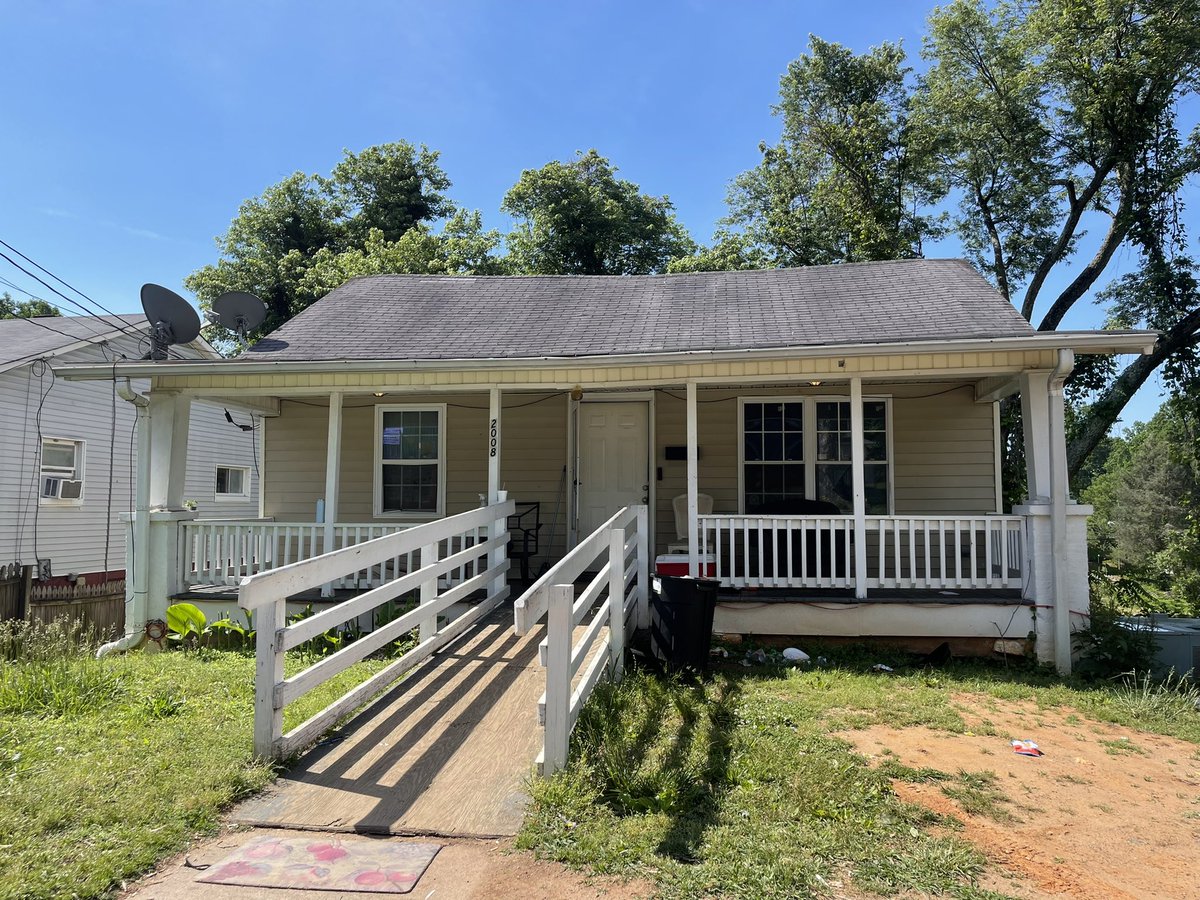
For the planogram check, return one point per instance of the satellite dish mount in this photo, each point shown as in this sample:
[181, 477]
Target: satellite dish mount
[172, 320]
[239, 312]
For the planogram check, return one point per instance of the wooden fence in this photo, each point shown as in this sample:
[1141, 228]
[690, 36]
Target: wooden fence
[99, 607]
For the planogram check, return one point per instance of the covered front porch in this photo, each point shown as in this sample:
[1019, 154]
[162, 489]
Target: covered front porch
[841, 492]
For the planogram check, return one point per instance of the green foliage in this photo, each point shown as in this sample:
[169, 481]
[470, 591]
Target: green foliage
[852, 176]
[579, 218]
[187, 626]
[272, 243]
[1107, 648]
[25, 309]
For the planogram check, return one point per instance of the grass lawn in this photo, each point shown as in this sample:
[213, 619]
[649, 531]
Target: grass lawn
[106, 766]
[734, 787]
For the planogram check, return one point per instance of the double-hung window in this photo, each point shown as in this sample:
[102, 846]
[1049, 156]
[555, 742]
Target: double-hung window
[793, 449]
[410, 467]
[61, 477]
[233, 482]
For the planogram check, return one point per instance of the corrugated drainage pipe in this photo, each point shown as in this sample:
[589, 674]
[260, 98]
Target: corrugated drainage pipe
[135, 602]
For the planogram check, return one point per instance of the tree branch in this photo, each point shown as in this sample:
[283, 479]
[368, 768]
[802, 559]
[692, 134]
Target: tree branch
[997, 246]
[1077, 207]
[1107, 408]
[1117, 231]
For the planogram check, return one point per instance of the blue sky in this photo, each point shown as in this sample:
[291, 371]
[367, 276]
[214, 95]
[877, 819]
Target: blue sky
[132, 130]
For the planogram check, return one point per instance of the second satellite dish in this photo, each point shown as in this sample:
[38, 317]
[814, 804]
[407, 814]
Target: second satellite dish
[239, 312]
[172, 319]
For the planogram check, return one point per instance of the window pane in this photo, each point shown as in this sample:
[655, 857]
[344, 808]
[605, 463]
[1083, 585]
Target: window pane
[874, 416]
[410, 488]
[827, 446]
[410, 434]
[845, 453]
[753, 446]
[222, 481]
[875, 480]
[827, 417]
[773, 446]
[793, 416]
[875, 446]
[793, 447]
[58, 456]
[752, 416]
[235, 481]
[835, 484]
[772, 417]
[754, 479]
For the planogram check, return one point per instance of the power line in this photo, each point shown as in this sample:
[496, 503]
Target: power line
[90, 325]
[137, 335]
[66, 284]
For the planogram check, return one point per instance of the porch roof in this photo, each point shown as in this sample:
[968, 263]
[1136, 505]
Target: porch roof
[416, 317]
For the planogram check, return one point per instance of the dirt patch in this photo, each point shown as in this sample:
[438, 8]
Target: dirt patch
[1107, 812]
[462, 870]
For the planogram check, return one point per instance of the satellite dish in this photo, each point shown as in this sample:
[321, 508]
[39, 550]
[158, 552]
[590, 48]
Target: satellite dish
[172, 319]
[239, 312]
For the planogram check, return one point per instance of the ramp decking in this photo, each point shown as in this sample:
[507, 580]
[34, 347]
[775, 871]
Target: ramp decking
[447, 751]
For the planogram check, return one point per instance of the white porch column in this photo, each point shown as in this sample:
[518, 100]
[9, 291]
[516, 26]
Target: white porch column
[693, 484]
[1035, 418]
[1059, 488]
[333, 462]
[859, 479]
[495, 415]
[170, 415]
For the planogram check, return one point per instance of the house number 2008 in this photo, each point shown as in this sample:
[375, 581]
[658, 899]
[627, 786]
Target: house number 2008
[492, 440]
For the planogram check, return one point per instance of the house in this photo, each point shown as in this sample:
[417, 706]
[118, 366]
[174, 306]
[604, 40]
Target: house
[69, 459]
[829, 436]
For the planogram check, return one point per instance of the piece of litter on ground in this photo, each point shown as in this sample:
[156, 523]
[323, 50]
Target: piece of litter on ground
[1026, 748]
[795, 655]
[880, 667]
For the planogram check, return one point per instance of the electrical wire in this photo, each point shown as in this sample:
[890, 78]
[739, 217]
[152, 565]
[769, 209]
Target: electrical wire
[121, 324]
[66, 284]
[450, 405]
[38, 458]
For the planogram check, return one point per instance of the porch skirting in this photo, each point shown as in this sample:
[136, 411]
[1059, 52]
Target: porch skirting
[836, 617]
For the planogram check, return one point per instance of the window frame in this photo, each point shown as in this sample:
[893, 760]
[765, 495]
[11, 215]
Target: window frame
[379, 462]
[78, 471]
[810, 462]
[231, 498]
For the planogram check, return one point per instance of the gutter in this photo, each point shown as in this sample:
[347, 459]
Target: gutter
[136, 600]
[1107, 342]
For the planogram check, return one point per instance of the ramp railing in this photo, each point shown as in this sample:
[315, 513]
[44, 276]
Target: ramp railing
[472, 544]
[615, 560]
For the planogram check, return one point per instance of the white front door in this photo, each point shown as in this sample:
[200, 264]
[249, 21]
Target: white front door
[613, 452]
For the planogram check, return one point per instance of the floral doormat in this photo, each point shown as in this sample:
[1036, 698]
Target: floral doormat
[320, 862]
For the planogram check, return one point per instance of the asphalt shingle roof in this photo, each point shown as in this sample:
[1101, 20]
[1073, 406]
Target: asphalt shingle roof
[397, 317]
[22, 340]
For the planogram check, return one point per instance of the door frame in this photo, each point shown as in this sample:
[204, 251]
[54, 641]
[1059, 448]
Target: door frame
[647, 397]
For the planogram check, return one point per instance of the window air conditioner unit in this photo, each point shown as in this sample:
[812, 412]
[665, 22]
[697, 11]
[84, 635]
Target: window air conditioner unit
[61, 489]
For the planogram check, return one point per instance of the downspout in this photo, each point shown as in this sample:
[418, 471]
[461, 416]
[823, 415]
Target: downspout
[136, 599]
[1058, 511]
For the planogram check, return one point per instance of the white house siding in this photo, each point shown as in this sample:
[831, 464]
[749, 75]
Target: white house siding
[213, 442]
[533, 453]
[74, 538]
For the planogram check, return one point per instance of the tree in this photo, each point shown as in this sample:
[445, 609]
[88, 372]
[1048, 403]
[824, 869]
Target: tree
[1035, 123]
[275, 237]
[851, 177]
[578, 218]
[25, 309]
[1056, 116]
[462, 248]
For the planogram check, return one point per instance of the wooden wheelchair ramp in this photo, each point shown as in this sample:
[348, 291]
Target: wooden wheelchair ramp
[447, 751]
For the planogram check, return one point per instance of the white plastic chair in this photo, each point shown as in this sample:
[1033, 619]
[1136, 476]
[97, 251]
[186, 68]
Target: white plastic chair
[704, 504]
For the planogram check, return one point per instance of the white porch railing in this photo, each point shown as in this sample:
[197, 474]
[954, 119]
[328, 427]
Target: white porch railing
[927, 552]
[483, 562]
[618, 553]
[223, 551]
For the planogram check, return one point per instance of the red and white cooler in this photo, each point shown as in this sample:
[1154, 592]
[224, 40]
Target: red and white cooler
[677, 564]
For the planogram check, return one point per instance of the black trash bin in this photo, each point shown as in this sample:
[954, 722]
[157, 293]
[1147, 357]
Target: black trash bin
[681, 621]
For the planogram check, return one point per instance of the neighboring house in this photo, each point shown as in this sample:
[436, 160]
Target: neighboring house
[68, 455]
[841, 421]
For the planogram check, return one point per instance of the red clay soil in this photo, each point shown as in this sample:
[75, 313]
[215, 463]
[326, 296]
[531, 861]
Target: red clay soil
[1108, 812]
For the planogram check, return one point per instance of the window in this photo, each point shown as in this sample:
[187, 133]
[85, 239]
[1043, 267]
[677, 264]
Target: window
[61, 479]
[410, 460]
[794, 448]
[233, 481]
